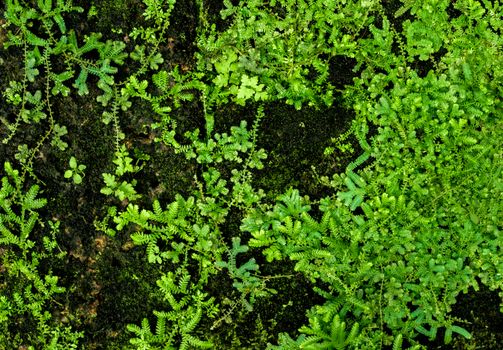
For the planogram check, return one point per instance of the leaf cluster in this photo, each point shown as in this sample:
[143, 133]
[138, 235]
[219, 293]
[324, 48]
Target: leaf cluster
[281, 49]
[25, 291]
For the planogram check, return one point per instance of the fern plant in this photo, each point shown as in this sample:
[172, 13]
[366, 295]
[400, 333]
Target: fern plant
[335, 336]
[274, 229]
[280, 50]
[26, 293]
[54, 63]
[49, 14]
[403, 237]
[188, 231]
[180, 322]
[123, 165]
[250, 286]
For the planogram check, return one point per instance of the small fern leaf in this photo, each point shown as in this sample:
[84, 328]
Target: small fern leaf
[397, 343]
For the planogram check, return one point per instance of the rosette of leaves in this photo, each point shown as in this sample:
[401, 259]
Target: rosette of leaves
[76, 171]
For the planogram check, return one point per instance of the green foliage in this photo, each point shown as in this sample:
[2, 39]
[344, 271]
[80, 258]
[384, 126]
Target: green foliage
[401, 239]
[221, 147]
[356, 190]
[56, 139]
[26, 220]
[171, 86]
[125, 189]
[122, 190]
[429, 29]
[244, 281]
[280, 49]
[273, 229]
[328, 336]
[172, 225]
[25, 292]
[54, 61]
[159, 13]
[187, 232]
[230, 150]
[76, 171]
[23, 156]
[193, 223]
[65, 45]
[332, 335]
[412, 222]
[242, 87]
[187, 306]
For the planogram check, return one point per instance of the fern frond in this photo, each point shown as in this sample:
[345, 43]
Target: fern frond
[27, 227]
[189, 341]
[397, 343]
[310, 340]
[311, 223]
[184, 282]
[8, 237]
[191, 324]
[160, 327]
[156, 206]
[173, 210]
[161, 80]
[113, 51]
[357, 162]
[404, 8]
[30, 202]
[292, 204]
[352, 334]
[140, 238]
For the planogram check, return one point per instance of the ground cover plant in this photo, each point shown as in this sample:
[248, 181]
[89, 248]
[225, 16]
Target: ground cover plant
[290, 174]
